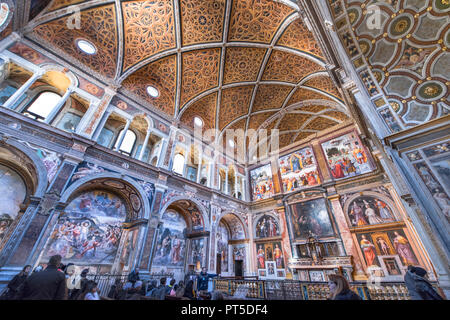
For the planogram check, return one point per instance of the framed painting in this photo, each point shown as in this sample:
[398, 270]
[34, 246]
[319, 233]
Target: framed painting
[311, 218]
[347, 157]
[298, 170]
[262, 182]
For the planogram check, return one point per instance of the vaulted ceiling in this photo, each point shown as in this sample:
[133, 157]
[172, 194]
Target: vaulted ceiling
[403, 47]
[241, 64]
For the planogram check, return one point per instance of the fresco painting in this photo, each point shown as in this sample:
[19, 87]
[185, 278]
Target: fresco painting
[198, 253]
[266, 227]
[222, 245]
[12, 194]
[262, 183]
[171, 241]
[299, 170]
[369, 210]
[89, 232]
[310, 218]
[347, 157]
[385, 244]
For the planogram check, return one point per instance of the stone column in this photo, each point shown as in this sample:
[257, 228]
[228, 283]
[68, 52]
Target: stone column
[100, 126]
[22, 90]
[145, 263]
[59, 105]
[144, 145]
[321, 162]
[346, 237]
[122, 135]
[215, 214]
[170, 147]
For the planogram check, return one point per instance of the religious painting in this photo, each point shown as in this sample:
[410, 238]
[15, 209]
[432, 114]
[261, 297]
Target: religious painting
[316, 276]
[130, 245]
[281, 274]
[198, 253]
[270, 268]
[12, 194]
[105, 137]
[390, 120]
[273, 252]
[261, 256]
[69, 122]
[369, 210]
[239, 255]
[382, 244]
[262, 182]
[437, 191]
[437, 149]
[392, 267]
[222, 246]
[299, 170]
[51, 160]
[266, 227]
[171, 241]
[310, 218]
[89, 232]
[192, 173]
[347, 157]
[262, 273]
[85, 169]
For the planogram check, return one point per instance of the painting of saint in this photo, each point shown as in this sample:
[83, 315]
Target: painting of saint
[299, 170]
[198, 253]
[222, 245]
[368, 249]
[12, 195]
[347, 157]
[171, 241]
[266, 227]
[90, 230]
[403, 248]
[369, 210]
[278, 256]
[260, 256]
[310, 218]
[86, 169]
[262, 183]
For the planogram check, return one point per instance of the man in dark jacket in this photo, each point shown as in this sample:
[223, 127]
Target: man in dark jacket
[418, 286]
[49, 284]
[202, 280]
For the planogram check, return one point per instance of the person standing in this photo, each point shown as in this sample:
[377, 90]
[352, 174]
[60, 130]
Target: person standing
[419, 287]
[16, 283]
[340, 289]
[202, 280]
[49, 284]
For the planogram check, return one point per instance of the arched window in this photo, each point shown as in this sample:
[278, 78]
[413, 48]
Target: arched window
[42, 105]
[178, 164]
[128, 142]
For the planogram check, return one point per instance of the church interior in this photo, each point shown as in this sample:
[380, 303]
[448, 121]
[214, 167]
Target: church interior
[268, 141]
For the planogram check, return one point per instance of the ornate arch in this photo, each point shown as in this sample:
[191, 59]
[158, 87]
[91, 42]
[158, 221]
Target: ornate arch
[113, 181]
[239, 219]
[198, 204]
[259, 217]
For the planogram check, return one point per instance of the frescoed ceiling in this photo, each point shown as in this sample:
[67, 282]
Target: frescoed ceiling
[233, 63]
[400, 50]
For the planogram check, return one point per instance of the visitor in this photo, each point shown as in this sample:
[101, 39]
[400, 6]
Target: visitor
[116, 292]
[49, 284]
[340, 289]
[90, 291]
[135, 292]
[189, 290]
[151, 288]
[69, 270]
[202, 280]
[419, 287]
[15, 285]
[169, 288]
[179, 292]
[160, 292]
[133, 276]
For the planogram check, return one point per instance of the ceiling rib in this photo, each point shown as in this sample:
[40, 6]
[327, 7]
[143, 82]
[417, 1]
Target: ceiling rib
[179, 58]
[120, 39]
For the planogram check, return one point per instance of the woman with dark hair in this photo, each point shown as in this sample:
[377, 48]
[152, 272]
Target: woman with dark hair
[16, 283]
[90, 291]
[340, 289]
[189, 290]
